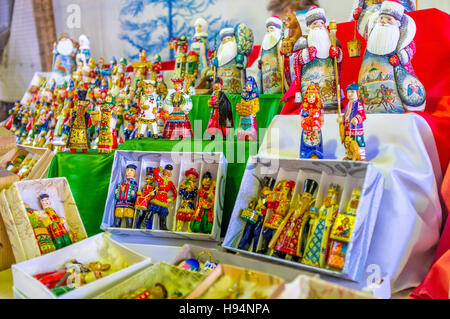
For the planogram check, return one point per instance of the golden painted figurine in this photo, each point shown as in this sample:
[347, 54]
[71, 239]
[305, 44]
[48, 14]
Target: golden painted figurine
[290, 238]
[80, 121]
[188, 193]
[341, 233]
[317, 247]
[247, 109]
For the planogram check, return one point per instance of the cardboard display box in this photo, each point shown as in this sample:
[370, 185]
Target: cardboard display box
[348, 174]
[7, 141]
[215, 163]
[91, 249]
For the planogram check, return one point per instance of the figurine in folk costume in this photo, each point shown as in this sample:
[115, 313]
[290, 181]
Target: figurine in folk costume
[386, 73]
[107, 139]
[191, 75]
[203, 219]
[290, 238]
[181, 49]
[363, 10]
[64, 58]
[221, 116]
[39, 222]
[56, 228]
[187, 192]
[351, 124]
[200, 45]
[178, 105]
[159, 205]
[255, 215]
[278, 205]
[79, 124]
[311, 142]
[232, 57]
[317, 246]
[161, 87]
[270, 61]
[144, 196]
[125, 195]
[341, 233]
[143, 67]
[247, 109]
[149, 104]
[127, 111]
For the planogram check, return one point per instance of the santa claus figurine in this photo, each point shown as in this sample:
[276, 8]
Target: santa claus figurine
[387, 79]
[315, 64]
[270, 61]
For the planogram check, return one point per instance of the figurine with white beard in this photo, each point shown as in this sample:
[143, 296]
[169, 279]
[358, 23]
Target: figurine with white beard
[315, 63]
[387, 78]
[270, 61]
[232, 57]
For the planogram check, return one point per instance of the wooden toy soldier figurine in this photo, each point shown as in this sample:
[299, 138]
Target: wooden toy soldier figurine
[149, 105]
[144, 195]
[160, 203]
[56, 228]
[203, 218]
[290, 238]
[352, 121]
[221, 116]
[311, 143]
[125, 194]
[188, 193]
[79, 124]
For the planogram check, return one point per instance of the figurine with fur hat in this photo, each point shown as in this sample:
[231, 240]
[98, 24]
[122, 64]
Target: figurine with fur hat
[178, 105]
[79, 125]
[188, 192]
[125, 195]
[149, 103]
[144, 196]
[221, 116]
[159, 204]
[203, 219]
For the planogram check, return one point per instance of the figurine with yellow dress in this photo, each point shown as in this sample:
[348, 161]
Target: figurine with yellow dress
[247, 109]
[80, 122]
[188, 193]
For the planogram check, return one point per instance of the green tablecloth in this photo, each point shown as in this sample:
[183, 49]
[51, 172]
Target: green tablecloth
[89, 173]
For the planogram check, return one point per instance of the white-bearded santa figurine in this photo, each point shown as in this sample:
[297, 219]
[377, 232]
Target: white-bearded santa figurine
[364, 9]
[200, 44]
[232, 57]
[270, 61]
[315, 63]
[387, 79]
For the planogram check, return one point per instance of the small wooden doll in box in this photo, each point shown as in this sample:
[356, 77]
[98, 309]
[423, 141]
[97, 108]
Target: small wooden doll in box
[341, 233]
[144, 196]
[203, 218]
[247, 109]
[188, 193]
[125, 194]
[39, 222]
[56, 228]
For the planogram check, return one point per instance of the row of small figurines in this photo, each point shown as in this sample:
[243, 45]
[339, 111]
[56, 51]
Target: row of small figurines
[298, 231]
[22, 165]
[137, 207]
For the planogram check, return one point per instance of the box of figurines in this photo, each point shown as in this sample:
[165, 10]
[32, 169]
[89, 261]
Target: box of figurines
[40, 216]
[82, 270]
[318, 215]
[27, 162]
[166, 194]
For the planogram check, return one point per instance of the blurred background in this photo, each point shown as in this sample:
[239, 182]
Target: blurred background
[120, 28]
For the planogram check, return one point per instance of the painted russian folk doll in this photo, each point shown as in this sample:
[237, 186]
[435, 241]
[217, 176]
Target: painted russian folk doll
[247, 109]
[311, 142]
[125, 194]
[386, 74]
[290, 238]
[149, 104]
[160, 203]
[203, 219]
[187, 192]
[200, 44]
[254, 215]
[178, 105]
[107, 138]
[79, 124]
[56, 227]
[181, 48]
[317, 246]
[144, 196]
[221, 116]
[39, 223]
[341, 233]
[278, 205]
[270, 61]
[291, 44]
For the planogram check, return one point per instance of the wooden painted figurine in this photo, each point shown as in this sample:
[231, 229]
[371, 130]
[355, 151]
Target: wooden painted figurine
[247, 109]
[221, 116]
[144, 196]
[149, 104]
[290, 238]
[39, 223]
[125, 194]
[56, 228]
[203, 219]
[178, 104]
[159, 205]
[341, 233]
[107, 139]
[317, 246]
[311, 142]
[79, 124]
[188, 193]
